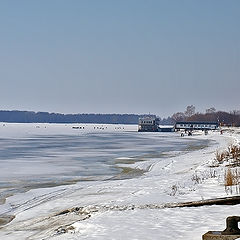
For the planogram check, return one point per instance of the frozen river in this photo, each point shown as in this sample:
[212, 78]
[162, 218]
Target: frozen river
[47, 155]
[108, 182]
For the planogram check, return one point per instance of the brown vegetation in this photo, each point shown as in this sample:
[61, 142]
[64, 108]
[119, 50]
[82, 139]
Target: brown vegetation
[232, 173]
[220, 156]
[224, 118]
[232, 178]
[231, 118]
[231, 155]
[229, 178]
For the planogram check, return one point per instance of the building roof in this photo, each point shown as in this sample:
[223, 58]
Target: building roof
[189, 122]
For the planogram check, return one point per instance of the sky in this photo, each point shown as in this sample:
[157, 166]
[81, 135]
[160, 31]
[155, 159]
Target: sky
[119, 56]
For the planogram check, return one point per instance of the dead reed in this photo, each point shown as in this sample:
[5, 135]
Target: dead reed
[229, 178]
[231, 155]
[221, 156]
[232, 179]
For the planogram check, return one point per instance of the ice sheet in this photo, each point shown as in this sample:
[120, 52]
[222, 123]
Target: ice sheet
[120, 209]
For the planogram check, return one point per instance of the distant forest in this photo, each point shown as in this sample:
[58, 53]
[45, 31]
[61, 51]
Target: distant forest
[231, 118]
[46, 117]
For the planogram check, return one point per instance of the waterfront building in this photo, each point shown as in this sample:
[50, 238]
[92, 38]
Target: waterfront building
[196, 125]
[148, 124]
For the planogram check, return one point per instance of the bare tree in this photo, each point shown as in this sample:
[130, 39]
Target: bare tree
[235, 112]
[190, 110]
[179, 116]
[211, 110]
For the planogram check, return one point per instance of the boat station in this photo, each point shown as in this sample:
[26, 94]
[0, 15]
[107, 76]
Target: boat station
[196, 126]
[148, 124]
[151, 124]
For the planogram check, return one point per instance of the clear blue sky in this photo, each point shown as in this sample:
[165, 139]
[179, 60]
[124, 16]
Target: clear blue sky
[125, 56]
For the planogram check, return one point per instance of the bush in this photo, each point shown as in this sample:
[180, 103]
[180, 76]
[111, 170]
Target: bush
[231, 155]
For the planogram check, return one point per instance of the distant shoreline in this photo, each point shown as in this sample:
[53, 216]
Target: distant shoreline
[16, 116]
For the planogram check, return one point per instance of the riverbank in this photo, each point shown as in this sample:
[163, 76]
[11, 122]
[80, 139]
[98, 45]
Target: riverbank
[121, 209]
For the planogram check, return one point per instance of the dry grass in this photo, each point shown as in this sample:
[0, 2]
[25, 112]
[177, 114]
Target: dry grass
[229, 178]
[196, 179]
[231, 158]
[174, 190]
[221, 156]
[234, 152]
[212, 173]
[232, 177]
[231, 155]
[232, 180]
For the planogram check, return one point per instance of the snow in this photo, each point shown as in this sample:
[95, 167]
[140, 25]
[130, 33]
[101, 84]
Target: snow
[127, 208]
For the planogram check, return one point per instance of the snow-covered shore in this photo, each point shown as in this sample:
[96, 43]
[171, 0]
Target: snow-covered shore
[122, 209]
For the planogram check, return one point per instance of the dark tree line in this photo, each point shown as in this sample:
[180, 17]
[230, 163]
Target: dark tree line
[225, 118]
[46, 117]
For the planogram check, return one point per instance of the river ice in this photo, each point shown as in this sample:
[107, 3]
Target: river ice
[129, 208]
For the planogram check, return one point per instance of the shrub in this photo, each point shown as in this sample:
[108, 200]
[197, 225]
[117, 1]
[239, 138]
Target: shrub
[221, 156]
[232, 155]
